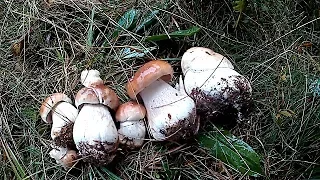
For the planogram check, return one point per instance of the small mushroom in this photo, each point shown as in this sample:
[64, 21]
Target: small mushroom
[64, 156]
[94, 131]
[171, 113]
[90, 78]
[210, 79]
[132, 129]
[58, 110]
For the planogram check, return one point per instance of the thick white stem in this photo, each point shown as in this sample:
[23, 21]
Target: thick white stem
[63, 114]
[214, 82]
[168, 110]
[215, 90]
[95, 134]
[132, 133]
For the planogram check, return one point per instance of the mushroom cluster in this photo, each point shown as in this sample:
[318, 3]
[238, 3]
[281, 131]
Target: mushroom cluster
[58, 110]
[88, 130]
[94, 132]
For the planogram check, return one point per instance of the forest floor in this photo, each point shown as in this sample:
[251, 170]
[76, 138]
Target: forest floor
[45, 44]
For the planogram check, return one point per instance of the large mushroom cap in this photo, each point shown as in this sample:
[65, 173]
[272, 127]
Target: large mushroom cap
[49, 103]
[130, 111]
[147, 74]
[201, 58]
[98, 94]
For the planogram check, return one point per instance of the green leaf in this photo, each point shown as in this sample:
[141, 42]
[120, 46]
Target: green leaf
[148, 20]
[177, 34]
[232, 151]
[135, 52]
[240, 5]
[90, 31]
[59, 56]
[171, 59]
[127, 21]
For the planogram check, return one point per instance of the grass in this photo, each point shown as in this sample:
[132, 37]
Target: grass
[269, 46]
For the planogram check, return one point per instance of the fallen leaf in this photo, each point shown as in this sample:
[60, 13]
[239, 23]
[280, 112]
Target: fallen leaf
[17, 48]
[49, 3]
[286, 113]
[283, 77]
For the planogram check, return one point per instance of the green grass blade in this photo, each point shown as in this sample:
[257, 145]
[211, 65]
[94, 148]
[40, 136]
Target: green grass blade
[110, 174]
[14, 162]
[90, 31]
[177, 34]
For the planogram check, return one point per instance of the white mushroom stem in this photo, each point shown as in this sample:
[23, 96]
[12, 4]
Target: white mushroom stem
[168, 110]
[64, 113]
[132, 133]
[221, 85]
[213, 82]
[94, 123]
[95, 133]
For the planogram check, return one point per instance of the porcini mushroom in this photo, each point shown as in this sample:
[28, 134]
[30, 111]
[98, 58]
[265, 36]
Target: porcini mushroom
[94, 132]
[171, 113]
[90, 78]
[64, 156]
[132, 129]
[58, 110]
[210, 79]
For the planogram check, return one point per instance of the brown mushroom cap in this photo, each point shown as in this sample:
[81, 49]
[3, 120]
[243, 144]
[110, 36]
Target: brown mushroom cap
[98, 94]
[130, 111]
[147, 74]
[51, 102]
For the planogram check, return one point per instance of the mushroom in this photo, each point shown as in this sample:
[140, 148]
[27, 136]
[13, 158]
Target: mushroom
[210, 79]
[132, 129]
[94, 131]
[64, 156]
[90, 78]
[58, 110]
[171, 113]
